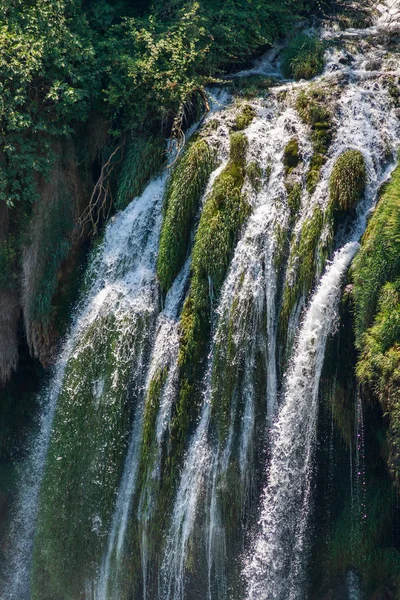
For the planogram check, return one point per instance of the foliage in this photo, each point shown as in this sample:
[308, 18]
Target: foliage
[303, 58]
[187, 183]
[60, 61]
[347, 181]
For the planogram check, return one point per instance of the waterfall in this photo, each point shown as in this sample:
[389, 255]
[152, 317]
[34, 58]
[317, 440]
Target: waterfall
[93, 519]
[123, 265]
[164, 355]
[274, 569]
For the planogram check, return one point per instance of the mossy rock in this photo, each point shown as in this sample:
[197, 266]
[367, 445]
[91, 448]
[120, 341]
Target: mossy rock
[347, 181]
[294, 201]
[377, 262]
[244, 118]
[86, 453]
[312, 110]
[291, 155]
[222, 218]
[376, 276]
[303, 58]
[254, 174]
[186, 185]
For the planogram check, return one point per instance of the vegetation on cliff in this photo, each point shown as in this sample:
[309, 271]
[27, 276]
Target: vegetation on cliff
[376, 274]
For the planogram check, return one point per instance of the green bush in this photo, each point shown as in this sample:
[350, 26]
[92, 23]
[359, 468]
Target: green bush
[303, 58]
[347, 181]
[186, 185]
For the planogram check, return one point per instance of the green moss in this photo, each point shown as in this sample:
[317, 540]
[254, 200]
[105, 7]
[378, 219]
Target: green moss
[303, 58]
[186, 185]
[254, 173]
[151, 409]
[377, 262]
[312, 110]
[144, 159]
[347, 181]
[291, 155]
[302, 268]
[294, 201]
[86, 455]
[378, 367]
[222, 218]
[244, 117]
[376, 275]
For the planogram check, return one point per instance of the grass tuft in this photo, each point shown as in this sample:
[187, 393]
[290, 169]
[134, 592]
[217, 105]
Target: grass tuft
[347, 181]
[303, 58]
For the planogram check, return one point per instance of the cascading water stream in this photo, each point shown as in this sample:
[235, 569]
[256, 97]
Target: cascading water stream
[274, 569]
[124, 265]
[249, 292]
[247, 406]
[164, 356]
